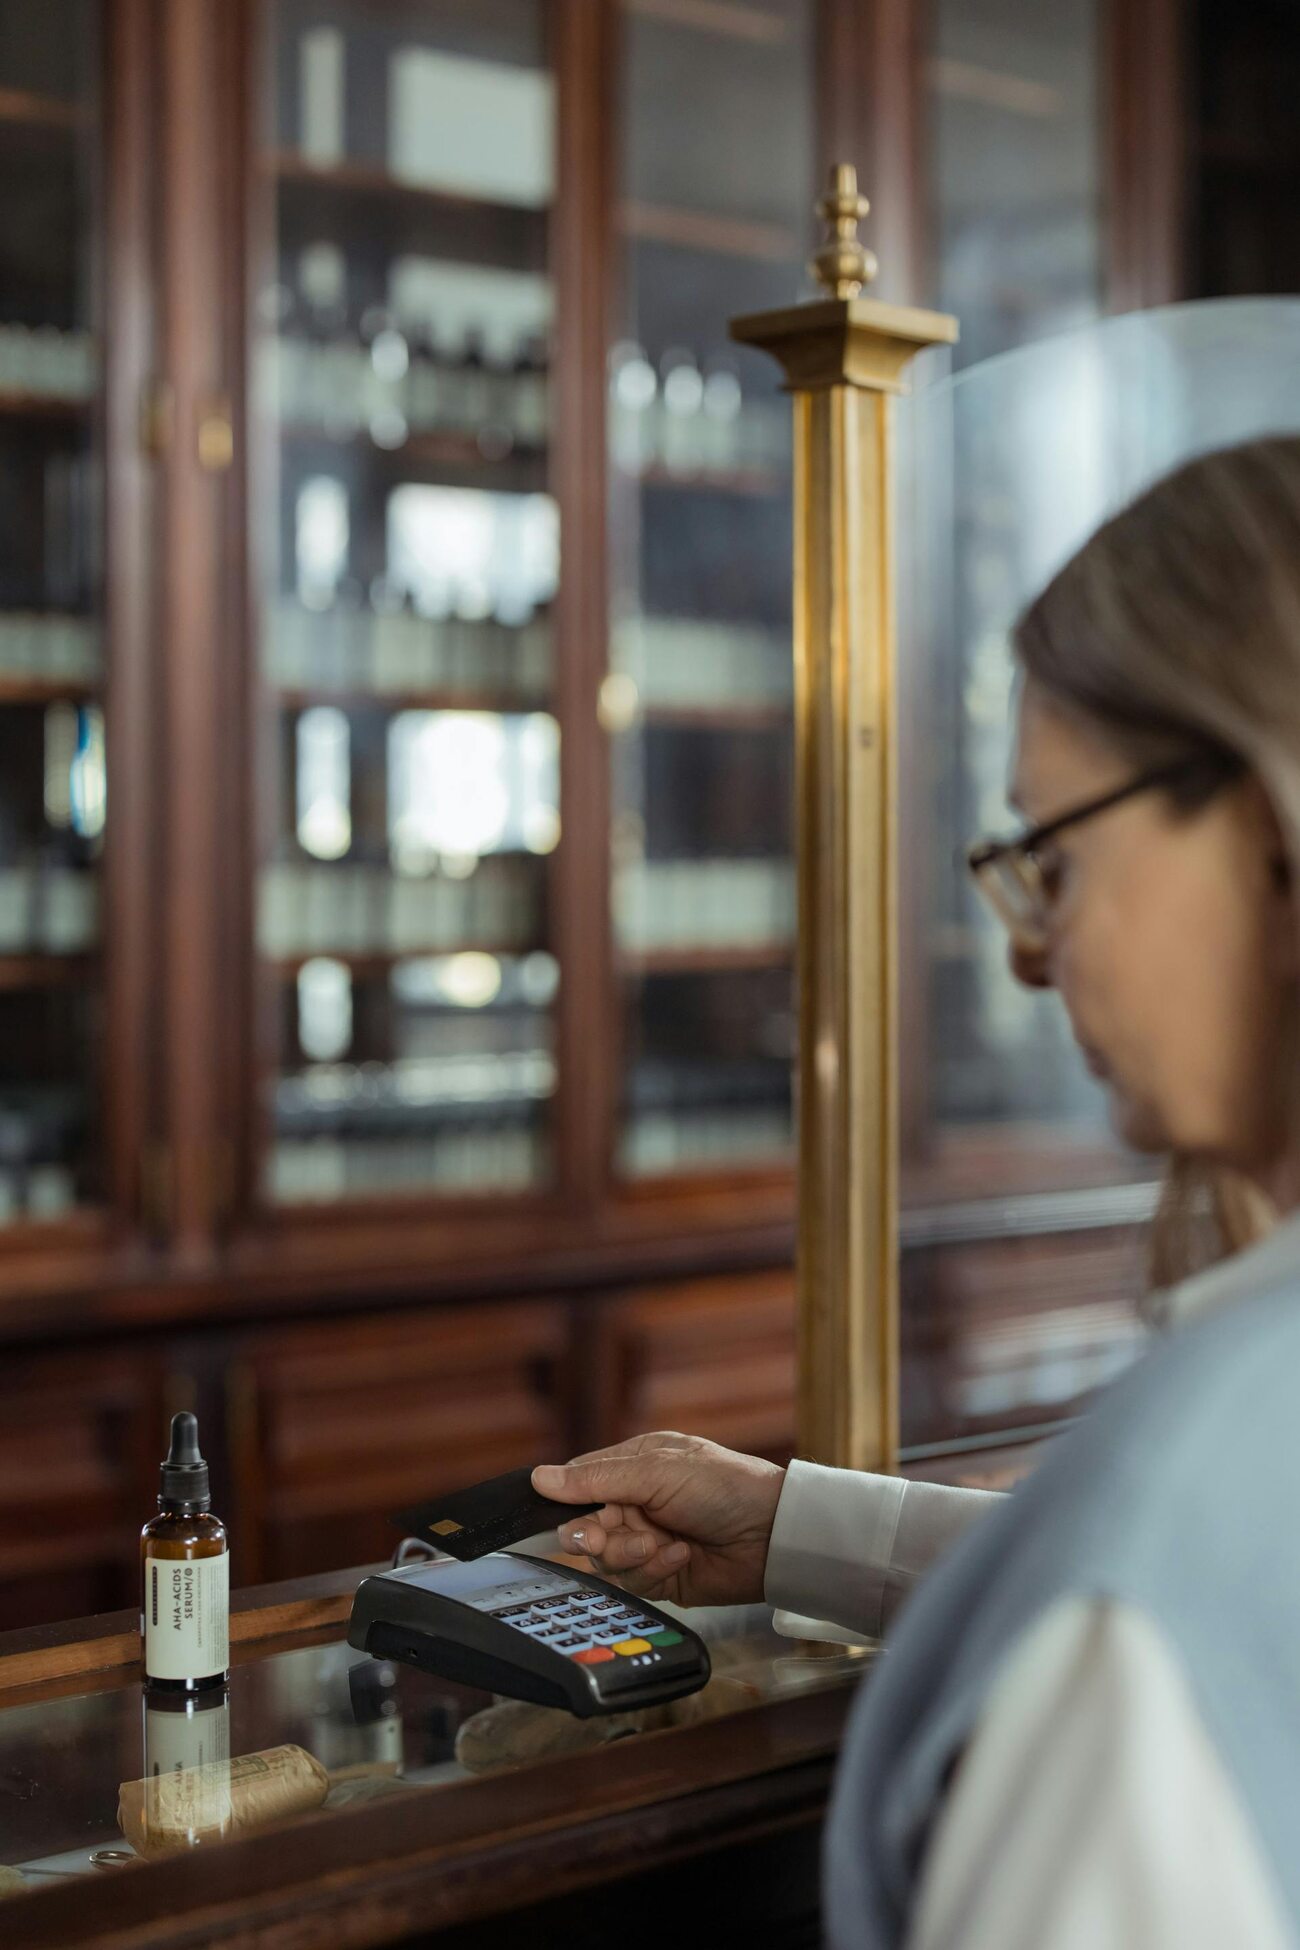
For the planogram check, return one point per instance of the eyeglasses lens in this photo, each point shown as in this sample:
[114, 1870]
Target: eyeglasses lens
[1013, 887]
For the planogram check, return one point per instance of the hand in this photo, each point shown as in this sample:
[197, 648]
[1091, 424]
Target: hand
[681, 1519]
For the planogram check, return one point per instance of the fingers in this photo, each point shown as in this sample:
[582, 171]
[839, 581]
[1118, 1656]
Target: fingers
[602, 1479]
[621, 1535]
[656, 1578]
[668, 1562]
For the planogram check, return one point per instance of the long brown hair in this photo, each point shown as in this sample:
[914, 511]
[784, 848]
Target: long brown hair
[1176, 629]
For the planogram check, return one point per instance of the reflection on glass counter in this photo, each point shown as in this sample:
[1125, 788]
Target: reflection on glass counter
[407, 644]
[53, 775]
[114, 1776]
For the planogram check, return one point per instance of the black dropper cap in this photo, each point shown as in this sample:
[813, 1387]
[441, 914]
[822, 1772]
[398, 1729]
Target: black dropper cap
[184, 1473]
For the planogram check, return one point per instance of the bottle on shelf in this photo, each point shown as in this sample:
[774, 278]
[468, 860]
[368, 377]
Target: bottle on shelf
[474, 386]
[44, 362]
[496, 429]
[532, 394]
[386, 363]
[384, 637]
[722, 404]
[321, 81]
[426, 405]
[352, 636]
[633, 391]
[681, 396]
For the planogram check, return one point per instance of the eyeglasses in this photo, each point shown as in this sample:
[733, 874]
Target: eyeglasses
[1010, 873]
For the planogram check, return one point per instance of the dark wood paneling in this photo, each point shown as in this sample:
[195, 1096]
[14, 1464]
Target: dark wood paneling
[709, 1357]
[1015, 1331]
[582, 265]
[194, 617]
[1145, 152]
[132, 939]
[333, 1427]
[79, 1459]
[873, 115]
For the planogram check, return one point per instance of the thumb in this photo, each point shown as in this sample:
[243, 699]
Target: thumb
[614, 1479]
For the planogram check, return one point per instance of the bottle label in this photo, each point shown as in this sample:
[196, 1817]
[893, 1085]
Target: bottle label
[186, 1616]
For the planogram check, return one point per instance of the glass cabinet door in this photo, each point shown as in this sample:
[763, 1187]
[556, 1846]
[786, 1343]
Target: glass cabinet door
[52, 763]
[1021, 1260]
[409, 555]
[716, 182]
[1015, 200]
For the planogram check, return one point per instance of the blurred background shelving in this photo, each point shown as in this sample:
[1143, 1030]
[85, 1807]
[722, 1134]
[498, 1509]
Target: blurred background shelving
[396, 729]
[52, 719]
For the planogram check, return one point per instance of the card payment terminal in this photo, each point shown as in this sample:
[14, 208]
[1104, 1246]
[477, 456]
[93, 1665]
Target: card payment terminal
[530, 1630]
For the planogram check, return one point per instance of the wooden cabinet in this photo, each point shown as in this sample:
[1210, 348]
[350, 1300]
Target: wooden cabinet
[79, 1441]
[710, 1357]
[395, 739]
[334, 1427]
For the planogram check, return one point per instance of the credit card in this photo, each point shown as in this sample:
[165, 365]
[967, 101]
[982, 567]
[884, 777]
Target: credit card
[487, 1517]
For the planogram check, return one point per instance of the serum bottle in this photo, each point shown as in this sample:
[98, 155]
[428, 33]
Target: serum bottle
[185, 1611]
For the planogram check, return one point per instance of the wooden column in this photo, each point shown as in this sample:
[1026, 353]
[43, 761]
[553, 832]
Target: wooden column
[844, 358]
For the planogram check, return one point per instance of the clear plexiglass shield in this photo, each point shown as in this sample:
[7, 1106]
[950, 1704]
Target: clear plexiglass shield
[1005, 469]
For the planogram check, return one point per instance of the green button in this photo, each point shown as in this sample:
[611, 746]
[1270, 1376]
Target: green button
[664, 1638]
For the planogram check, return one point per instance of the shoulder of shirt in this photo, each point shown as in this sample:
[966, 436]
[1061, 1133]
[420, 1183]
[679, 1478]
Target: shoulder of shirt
[1216, 1399]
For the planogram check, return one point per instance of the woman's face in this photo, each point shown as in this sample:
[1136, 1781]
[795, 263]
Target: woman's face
[1172, 943]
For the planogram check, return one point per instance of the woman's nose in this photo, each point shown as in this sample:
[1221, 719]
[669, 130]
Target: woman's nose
[1029, 965]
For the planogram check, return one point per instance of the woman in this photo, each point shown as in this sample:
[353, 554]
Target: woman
[1087, 1730]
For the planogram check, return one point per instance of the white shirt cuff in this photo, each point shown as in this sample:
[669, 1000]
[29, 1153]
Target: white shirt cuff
[832, 1545]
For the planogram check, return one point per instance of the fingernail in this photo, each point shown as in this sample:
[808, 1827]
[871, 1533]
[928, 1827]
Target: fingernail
[677, 1553]
[578, 1540]
[548, 1478]
[641, 1547]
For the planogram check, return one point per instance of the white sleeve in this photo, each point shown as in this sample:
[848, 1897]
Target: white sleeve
[1090, 1809]
[848, 1546]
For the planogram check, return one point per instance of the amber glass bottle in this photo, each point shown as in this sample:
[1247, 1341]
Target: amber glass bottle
[185, 1603]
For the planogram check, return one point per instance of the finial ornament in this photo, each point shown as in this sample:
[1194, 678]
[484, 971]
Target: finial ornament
[843, 264]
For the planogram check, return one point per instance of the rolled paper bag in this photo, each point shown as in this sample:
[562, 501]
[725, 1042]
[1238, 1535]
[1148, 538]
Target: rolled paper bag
[224, 1798]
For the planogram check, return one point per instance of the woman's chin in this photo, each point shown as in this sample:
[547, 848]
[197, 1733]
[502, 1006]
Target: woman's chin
[1136, 1125]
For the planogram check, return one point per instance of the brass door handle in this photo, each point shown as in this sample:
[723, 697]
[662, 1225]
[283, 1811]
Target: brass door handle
[216, 436]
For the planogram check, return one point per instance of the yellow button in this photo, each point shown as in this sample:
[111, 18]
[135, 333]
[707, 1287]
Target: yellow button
[628, 1647]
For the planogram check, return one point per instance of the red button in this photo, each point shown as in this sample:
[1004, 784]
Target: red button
[595, 1655]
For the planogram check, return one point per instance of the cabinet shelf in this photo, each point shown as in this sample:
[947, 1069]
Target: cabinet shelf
[726, 19]
[372, 963]
[45, 971]
[401, 215]
[708, 961]
[759, 483]
[51, 407]
[1248, 156]
[22, 689]
[445, 456]
[303, 698]
[21, 109]
[705, 230]
[773, 716]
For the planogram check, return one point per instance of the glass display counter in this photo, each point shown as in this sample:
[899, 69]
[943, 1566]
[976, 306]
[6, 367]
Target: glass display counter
[325, 1779]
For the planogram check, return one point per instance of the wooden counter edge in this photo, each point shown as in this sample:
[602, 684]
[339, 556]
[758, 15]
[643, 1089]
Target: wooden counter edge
[429, 1860]
[82, 1647]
